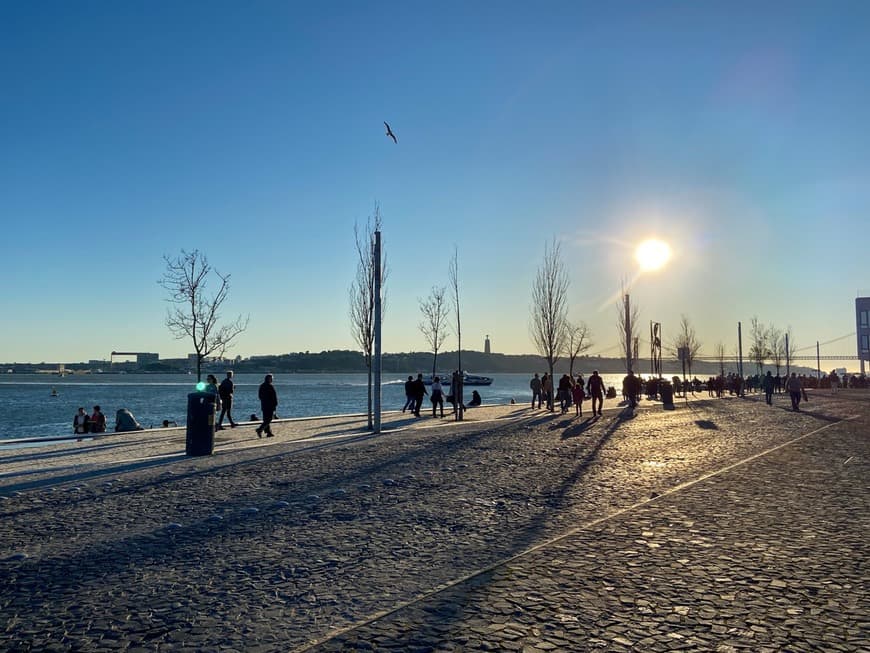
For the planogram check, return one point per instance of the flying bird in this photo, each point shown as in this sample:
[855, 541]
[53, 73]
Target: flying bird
[390, 132]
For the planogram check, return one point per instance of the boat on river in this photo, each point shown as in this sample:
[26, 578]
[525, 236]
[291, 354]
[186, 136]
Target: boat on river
[468, 379]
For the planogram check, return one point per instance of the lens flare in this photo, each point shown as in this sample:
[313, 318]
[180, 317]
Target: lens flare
[652, 254]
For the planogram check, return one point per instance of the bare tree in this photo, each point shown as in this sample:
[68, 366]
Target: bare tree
[362, 294]
[720, 356]
[687, 340]
[549, 311]
[195, 313]
[453, 275]
[758, 350]
[776, 346]
[578, 342]
[435, 313]
[627, 320]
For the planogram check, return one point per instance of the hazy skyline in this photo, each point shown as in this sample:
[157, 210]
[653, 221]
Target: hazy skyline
[736, 132]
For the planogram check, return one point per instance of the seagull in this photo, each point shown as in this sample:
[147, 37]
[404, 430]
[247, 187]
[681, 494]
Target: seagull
[390, 132]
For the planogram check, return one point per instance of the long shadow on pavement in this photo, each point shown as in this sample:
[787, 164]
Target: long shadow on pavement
[142, 550]
[449, 606]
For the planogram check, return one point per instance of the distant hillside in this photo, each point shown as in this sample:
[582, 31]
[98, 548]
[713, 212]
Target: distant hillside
[338, 361]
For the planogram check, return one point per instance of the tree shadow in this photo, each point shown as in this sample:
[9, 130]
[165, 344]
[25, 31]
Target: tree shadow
[809, 413]
[48, 455]
[118, 557]
[427, 623]
[576, 430]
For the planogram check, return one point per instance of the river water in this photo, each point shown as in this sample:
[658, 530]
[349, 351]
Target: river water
[27, 408]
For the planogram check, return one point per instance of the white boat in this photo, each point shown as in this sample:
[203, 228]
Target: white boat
[468, 379]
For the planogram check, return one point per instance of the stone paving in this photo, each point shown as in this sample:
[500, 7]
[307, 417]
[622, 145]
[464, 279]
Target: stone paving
[32, 466]
[291, 545]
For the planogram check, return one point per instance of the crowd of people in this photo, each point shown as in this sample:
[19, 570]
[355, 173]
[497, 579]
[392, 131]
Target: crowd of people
[415, 394]
[570, 391]
[225, 392]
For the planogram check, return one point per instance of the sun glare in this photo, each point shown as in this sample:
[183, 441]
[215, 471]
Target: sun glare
[652, 254]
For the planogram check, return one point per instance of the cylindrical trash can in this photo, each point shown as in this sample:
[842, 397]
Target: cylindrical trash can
[200, 424]
[666, 392]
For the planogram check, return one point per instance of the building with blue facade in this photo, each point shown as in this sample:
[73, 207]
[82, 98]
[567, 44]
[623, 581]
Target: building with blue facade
[862, 329]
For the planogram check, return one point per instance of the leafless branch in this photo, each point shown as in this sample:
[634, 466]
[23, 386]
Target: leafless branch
[578, 342]
[548, 325]
[194, 313]
[687, 340]
[435, 312]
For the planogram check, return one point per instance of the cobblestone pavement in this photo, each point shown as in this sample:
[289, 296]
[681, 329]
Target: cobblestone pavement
[32, 466]
[295, 546]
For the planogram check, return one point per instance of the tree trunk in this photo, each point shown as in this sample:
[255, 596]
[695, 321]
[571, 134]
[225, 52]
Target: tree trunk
[198, 368]
[550, 403]
[434, 363]
[460, 400]
[370, 422]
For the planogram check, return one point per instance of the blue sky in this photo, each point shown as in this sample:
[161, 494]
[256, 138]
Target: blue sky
[253, 131]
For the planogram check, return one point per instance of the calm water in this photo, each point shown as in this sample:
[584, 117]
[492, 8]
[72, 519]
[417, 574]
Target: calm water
[28, 410]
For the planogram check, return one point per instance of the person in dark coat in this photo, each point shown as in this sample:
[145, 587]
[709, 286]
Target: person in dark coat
[81, 422]
[225, 391]
[409, 394]
[419, 389]
[768, 384]
[268, 405]
[595, 389]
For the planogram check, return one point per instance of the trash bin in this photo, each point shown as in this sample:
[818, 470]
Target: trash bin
[200, 424]
[666, 393]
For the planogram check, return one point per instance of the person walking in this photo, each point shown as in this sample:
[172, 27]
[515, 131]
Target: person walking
[794, 387]
[595, 387]
[547, 390]
[437, 396]
[268, 404]
[564, 393]
[767, 384]
[535, 385]
[419, 389]
[409, 394]
[578, 395]
[225, 391]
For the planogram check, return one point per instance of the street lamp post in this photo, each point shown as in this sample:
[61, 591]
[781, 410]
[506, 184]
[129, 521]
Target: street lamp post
[377, 324]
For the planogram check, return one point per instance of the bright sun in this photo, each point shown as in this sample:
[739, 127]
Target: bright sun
[652, 254]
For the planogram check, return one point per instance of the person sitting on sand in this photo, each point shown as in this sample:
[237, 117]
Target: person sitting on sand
[81, 421]
[475, 399]
[98, 421]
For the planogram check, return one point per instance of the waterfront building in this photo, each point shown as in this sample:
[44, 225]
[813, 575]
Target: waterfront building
[862, 329]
